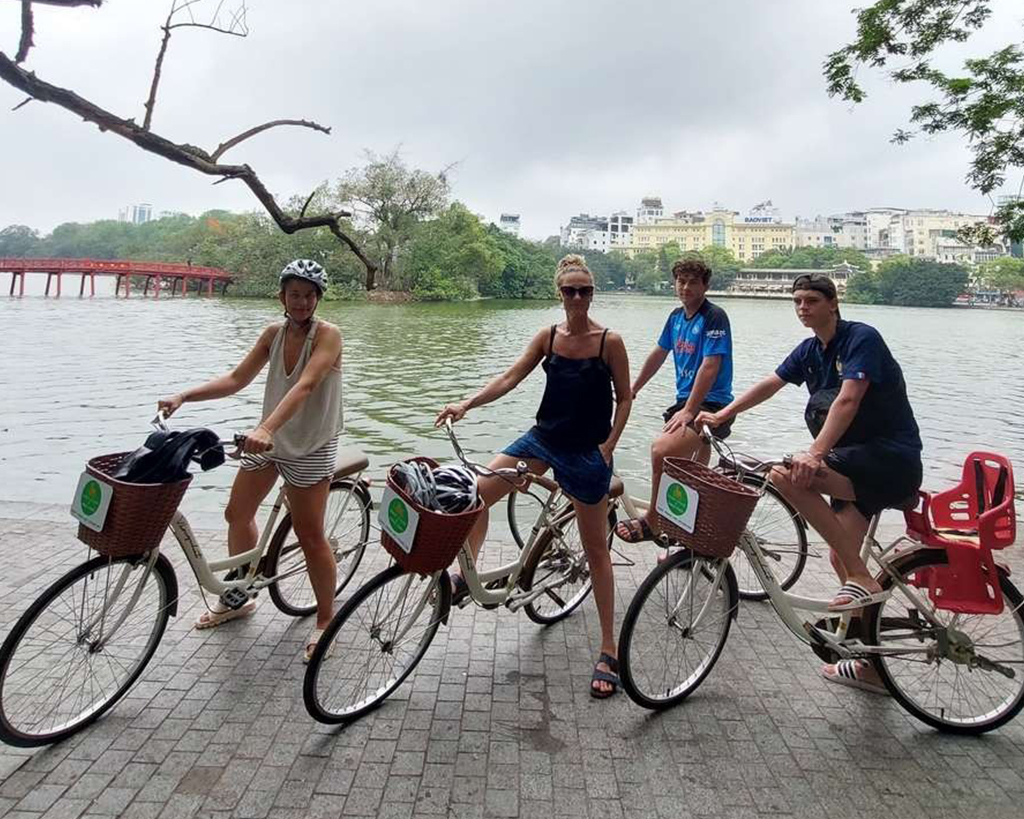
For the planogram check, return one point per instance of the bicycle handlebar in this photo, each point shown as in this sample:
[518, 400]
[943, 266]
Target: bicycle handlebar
[237, 440]
[520, 475]
[752, 466]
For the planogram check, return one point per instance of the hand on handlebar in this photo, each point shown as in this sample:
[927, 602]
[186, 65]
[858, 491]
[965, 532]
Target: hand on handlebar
[803, 468]
[455, 412]
[257, 441]
[710, 419]
[169, 406]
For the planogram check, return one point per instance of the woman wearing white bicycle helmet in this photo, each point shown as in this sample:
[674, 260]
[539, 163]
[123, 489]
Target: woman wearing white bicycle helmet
[578, 425]
[297, 437]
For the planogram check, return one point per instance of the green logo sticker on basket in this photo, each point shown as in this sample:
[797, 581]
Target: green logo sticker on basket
[677, 503]
[398, 519]
[91, 501]
[398, 515]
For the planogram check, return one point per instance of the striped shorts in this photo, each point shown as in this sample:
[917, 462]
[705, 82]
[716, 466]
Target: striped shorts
[300, 472]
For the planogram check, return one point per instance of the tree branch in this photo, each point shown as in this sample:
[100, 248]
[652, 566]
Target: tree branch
[182, 154]
[231, 143]
[22, 104]
[157, 69]
[27, 30]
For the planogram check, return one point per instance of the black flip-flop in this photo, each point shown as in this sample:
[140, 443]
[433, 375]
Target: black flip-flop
[638, 528]
[611, 677]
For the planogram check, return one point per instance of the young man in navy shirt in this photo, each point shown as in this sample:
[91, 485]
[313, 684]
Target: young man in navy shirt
[866, 453]
[698, 336]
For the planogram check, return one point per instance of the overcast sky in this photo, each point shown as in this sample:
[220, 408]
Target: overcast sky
[549, 107]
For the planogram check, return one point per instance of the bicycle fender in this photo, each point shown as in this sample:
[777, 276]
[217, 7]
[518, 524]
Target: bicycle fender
[172, 584]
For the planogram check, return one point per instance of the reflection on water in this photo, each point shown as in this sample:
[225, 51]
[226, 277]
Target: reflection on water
[82, 378]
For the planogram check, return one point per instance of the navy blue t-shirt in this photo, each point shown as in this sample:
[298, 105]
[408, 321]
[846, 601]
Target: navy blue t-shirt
[691, 340]
[857, 351]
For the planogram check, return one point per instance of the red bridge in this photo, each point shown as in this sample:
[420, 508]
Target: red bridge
[153, 272]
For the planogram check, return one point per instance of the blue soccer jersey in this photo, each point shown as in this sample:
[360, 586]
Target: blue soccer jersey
[691, 341]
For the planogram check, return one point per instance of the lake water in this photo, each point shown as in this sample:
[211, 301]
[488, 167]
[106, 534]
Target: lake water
[81, 377]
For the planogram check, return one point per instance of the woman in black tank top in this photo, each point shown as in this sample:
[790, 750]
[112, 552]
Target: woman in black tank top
[581, 416]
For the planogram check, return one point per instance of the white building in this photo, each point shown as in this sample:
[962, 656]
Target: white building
[650, 210]
[586, 232]
[509, 222]
[921, 232]
[136, 214]
[620, 228]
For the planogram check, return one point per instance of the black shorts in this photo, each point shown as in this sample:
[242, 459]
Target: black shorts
[881, 477]
[721, 433]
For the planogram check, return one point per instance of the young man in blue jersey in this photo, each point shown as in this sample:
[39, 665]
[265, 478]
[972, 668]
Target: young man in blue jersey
[866, 452]
[698, 336]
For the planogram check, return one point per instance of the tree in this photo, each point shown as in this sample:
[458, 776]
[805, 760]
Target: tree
[723, 264]
[231, 23]
[909, 282]
[527, 268]
[983, 102]
[446, 256]
[810, 258]
[394, 198]
[18, 241]
[1003, 274]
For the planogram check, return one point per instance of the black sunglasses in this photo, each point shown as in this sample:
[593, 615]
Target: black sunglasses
[584, 292]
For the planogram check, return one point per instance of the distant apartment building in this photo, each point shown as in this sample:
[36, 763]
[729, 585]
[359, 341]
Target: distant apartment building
[620, 230]
[509, 222]
[922, 233]
[586, 232]
[136, 214]
[761, 230]
[650, 210]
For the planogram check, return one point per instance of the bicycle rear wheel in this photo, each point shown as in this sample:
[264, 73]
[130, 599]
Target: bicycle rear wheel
[81, 645]
[373, 643]
[965, 676]
[558, 561]
[782, 535]
[347, 529]
[675, 628]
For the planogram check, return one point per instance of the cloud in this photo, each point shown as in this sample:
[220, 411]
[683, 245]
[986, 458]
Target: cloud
[549, 108]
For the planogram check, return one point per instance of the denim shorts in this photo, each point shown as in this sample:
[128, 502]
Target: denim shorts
[583, 475]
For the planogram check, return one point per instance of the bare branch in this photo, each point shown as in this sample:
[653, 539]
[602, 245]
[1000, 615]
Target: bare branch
[231, 143]
[237, 28]
[69, 3]
[308, 200]
[22, 104]
[182, 154]
[27, 30]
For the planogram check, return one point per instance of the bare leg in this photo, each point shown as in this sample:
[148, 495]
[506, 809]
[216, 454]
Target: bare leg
[307, 508]
[492, 490]
[248, 491]
[843, 532]
[592, 520]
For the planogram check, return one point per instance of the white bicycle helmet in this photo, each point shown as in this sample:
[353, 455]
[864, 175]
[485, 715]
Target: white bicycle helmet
[305, 269]
[455, 489]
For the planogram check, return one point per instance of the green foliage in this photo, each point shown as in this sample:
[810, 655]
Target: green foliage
[811, 258]
[527, 268]
[909, 282]
[446, 256]
[17, 241]
[724, 266]
[1005, 273]
[984, 103]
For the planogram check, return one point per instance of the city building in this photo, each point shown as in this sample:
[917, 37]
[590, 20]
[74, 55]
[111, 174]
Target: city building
[586, 232]
[779, 281]
[650, 209]
[509, 222]
[921, 232]
[747, 237]
[620, 230]
[136, 214]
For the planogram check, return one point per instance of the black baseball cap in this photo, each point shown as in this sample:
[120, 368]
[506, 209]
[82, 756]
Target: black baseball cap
[815, 281]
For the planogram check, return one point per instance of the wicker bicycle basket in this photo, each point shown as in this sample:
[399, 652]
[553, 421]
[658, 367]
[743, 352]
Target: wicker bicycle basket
[138, 515]
[723, 508]
[439, 536]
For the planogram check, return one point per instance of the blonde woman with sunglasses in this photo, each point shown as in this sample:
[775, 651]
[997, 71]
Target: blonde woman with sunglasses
[585, 406]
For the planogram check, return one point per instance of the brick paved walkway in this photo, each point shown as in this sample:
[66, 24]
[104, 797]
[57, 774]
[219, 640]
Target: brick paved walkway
[495, 722]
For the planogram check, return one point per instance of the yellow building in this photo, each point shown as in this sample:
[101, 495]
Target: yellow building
[747, 238]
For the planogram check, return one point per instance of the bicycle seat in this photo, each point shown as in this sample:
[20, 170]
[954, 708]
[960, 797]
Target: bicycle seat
[617, 487]
[350, 460]
[905, 505]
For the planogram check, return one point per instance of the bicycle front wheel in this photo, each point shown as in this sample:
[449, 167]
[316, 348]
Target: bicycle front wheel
[347, 529]
[675, 628]
[81, 645]
[780, 531]
[373, 643]
[964, 675]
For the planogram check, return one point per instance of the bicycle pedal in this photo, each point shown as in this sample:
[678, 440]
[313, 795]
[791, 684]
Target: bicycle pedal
[234, 598]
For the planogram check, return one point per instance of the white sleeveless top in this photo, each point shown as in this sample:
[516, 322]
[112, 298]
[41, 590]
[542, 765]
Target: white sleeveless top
[319, 417]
